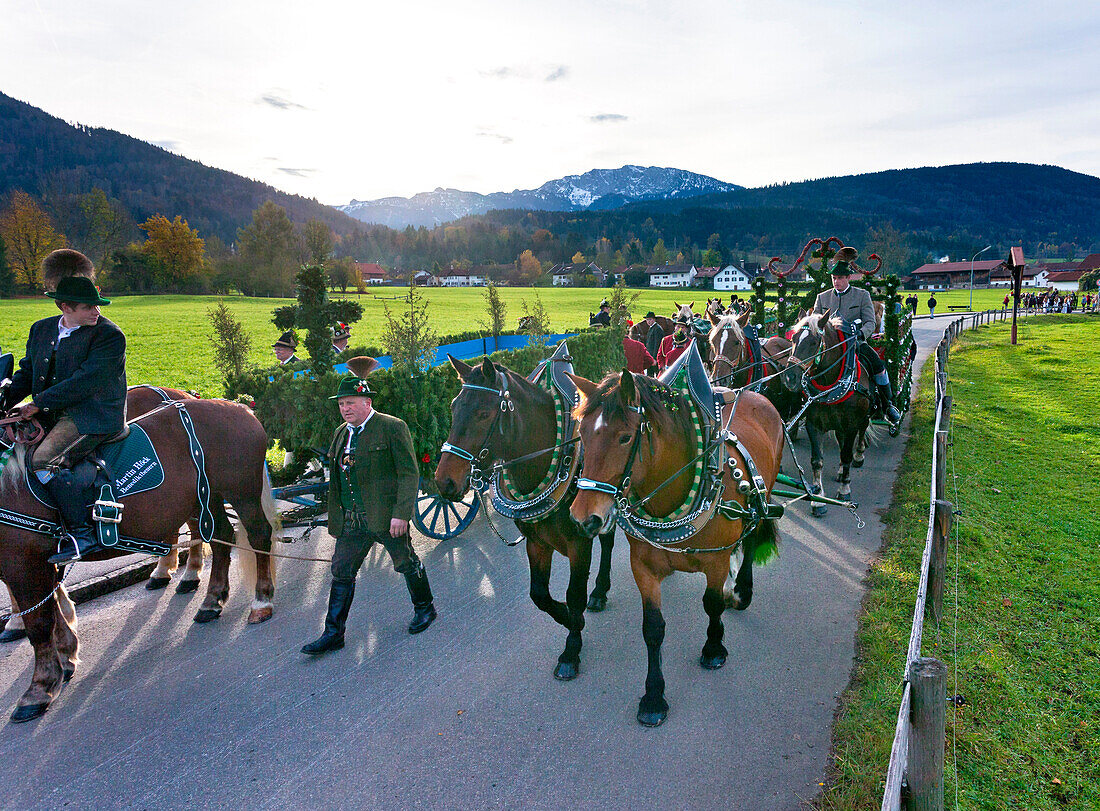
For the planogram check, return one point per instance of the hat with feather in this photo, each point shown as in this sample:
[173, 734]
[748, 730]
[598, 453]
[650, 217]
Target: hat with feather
[844, 258]
[354, 384]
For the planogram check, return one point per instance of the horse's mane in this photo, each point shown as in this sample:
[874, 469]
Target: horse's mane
[729, 321]
[14, 470]
[810, 321]
[656, 399]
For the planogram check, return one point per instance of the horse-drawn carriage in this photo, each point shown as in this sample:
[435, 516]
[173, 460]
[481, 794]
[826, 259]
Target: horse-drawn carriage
[687, 470]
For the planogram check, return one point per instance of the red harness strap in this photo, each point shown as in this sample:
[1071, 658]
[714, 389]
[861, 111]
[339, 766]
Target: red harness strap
[840, 375]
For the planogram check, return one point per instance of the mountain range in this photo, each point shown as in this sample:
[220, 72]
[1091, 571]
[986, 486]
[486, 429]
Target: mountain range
[596, 190]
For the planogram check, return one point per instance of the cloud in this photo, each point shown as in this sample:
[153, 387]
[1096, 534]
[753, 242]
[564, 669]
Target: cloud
[504, 72]
[279, 103]
[608, 118]
[504, 139]
[171, 146]
[560, 72]
[295, 172]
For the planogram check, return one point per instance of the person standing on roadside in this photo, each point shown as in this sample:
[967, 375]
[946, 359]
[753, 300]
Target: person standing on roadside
[932, 305]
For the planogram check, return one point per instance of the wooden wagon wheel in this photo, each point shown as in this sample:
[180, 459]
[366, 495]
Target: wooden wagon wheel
[440, 519]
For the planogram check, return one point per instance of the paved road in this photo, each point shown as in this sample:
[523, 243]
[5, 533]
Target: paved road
[169, 714]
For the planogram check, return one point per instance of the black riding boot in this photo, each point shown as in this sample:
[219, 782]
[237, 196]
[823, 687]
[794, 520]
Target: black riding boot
[340, 596]
[69, 498]
[889, 410]
[421, 593]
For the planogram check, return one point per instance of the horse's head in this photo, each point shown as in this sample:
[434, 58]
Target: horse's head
[727, 342]
[808, 337]
[475, 412]
[684, 311]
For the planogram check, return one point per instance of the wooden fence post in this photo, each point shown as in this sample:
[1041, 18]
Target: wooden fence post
[941, 450]
[937, 569]
[928, 678]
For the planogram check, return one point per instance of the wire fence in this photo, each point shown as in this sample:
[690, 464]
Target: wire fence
[914, 775]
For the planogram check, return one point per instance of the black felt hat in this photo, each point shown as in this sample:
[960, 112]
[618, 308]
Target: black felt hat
[77, 290]
[651, 314]
[286, 341]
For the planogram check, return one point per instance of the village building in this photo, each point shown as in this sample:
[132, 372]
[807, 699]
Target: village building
[943, 275]
[671, 275]
[733, 277]
[1065, 281]
[371, 273]
[704, 277]
[456, 277]
[1033, 276]
[565, 275]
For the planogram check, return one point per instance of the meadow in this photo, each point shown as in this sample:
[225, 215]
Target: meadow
[169, 337]
[1021, 631]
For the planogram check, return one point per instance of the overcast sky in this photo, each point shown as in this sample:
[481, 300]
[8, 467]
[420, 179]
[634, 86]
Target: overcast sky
[339, 100]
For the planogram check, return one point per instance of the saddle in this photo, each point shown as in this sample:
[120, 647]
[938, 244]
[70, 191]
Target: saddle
[124, 465]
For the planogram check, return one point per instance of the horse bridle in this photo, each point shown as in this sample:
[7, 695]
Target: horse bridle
[477, 475]
[618, 493]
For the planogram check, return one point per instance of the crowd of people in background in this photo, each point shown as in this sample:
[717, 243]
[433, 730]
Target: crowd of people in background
[1054, 301]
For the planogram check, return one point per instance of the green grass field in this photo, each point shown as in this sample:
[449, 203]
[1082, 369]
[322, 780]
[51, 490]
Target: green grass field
[169, 336]
[1026, 457]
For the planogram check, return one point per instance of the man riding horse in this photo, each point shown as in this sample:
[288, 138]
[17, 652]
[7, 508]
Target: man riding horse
[851, 304]
[75, 372]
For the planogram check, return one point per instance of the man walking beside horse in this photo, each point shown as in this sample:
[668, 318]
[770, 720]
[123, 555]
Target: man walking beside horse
[372, 490]
[851, 304]
[75, 372]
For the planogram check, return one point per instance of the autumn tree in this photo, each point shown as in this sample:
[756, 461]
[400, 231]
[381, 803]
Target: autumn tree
[495, 309]
[319, 241]
[177, 251]
[529, 268]
[29, 235]
[107, 224]
[578, 258]
[889, 243]
[270, 251]
[660, 253]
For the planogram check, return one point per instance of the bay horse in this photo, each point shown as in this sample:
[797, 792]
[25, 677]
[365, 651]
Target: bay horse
[234, 446]
[731, 365]
[818, 366]
[638, 436]
[488, 430]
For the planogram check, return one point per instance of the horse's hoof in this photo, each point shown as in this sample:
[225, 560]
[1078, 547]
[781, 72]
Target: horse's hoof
[67, 674]
[857, 463]
[258, 615]
[12, 635]
[566, 671]
[712, 662]
[597, 602]
[187, 586]
[28, 712]
[739, 603]
[652, 716]
[157, 583]
[207, 614]
[843, 496]
[839, 477]
[819, 511]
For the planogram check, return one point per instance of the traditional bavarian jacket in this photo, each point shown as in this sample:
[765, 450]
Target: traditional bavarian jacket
[379, 478]
[854, 303]
[82, 377]
[670, 350]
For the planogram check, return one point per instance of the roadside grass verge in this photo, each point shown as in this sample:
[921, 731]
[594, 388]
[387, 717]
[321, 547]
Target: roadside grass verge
[1026, 647]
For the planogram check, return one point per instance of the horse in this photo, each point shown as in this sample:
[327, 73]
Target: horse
[234, 446]
[731, 364]
[638, 437]
[714, 307]
[484, 423]
[640, 331]
[684, 311]
[818, 365]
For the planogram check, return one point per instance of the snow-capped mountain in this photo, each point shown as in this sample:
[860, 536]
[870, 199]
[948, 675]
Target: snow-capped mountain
[600, 189]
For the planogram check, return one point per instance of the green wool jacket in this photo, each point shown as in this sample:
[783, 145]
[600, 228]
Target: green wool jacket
[386, 469]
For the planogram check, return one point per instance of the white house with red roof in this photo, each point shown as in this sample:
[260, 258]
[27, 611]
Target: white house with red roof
[456, 277]
[671, 275]
[371, 273]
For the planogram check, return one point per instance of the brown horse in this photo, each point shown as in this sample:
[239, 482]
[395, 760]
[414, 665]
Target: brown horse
[638, 436]
[640, 331]
[818, 366]
[234, 445]
[530, 426]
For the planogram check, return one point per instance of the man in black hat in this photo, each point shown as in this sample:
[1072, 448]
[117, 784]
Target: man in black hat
[674, 345]
[284, 348]
[371, 495]
[603, 317]
[853, 304]
[654, 335]
[75, 373]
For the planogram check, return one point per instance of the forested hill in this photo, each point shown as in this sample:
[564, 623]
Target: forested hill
[39, 153]
[1005, 202]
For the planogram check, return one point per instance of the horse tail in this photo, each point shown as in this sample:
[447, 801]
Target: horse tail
[267, 501]
[764, 541]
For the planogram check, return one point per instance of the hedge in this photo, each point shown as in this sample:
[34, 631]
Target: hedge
[298, 413]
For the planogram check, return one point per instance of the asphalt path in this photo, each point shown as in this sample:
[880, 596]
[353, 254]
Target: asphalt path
[167, 713]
